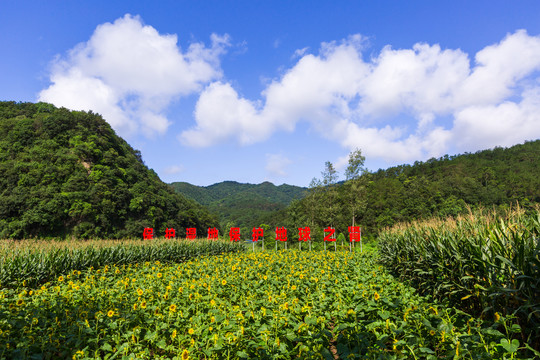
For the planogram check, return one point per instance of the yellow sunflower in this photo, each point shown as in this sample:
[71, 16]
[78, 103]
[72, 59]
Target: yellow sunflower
[185, 354]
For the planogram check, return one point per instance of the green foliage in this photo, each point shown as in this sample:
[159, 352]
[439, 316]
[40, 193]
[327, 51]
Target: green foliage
[66, 173]
[445, 187]
[244, 205]
[355, 168]
[36, 263]
[265, 305]
[487, 265]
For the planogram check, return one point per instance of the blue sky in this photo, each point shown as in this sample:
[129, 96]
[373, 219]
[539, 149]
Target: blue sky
[269, 90]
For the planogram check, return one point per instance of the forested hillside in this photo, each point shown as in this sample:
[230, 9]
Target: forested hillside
[66, 173]
[243, 205]
[496, 178]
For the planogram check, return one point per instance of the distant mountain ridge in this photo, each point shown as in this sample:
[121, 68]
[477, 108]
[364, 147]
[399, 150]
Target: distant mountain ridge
[241, 204]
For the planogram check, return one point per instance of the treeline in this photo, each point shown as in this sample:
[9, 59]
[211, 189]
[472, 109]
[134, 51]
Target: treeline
[241, 205]
[442, 187]
[67, 174]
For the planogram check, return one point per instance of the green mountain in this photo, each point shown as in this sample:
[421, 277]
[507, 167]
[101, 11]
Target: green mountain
[497, 178]
[242, 205]
[66, 173]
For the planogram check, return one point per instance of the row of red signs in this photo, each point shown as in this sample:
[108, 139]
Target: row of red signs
[304, 234]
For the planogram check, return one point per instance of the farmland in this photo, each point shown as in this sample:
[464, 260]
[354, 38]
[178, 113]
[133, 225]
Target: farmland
[485, 263]
[32, 263]
[263, 304]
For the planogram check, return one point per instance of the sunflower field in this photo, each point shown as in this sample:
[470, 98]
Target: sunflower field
[251, 305]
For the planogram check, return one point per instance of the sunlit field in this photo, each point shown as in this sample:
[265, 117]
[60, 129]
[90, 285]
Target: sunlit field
[264, 304]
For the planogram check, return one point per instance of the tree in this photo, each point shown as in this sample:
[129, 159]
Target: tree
[356, 165]
[330, 206]
[355, 174]
[329, 174]
[312, 202]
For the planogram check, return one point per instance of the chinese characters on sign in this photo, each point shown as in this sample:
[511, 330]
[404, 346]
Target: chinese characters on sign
[304, 234]
[169, 233]
[191, 233]
[234, 234]
[213, 234]
[257, 233]
[148, 233]
[330, 236]
[354, 233]
[281, 234]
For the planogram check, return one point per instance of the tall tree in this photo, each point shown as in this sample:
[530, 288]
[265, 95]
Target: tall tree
[355, 176]
[330, 207]
[356, 165]
[313, 202]
[329, 174]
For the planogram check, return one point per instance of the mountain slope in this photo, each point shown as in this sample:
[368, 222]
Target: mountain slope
[496, 178]
[243, 205]
[66, 173]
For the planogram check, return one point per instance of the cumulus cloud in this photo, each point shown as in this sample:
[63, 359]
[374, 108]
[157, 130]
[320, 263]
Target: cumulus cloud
[503, 124]
[220, 114]
[390, 105]
[130, 73]
[310, 90]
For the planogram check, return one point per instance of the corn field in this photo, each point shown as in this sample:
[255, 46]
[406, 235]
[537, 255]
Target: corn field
[485, 263]
[30, 263]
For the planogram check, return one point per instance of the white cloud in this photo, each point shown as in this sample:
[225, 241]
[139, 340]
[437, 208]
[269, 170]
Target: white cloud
[420, 80]
[276, 164]
[221, 114]
[299, 53]
[130, 73]
[390, 106]
[311, 90]
[503, 124]
[499, 69]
